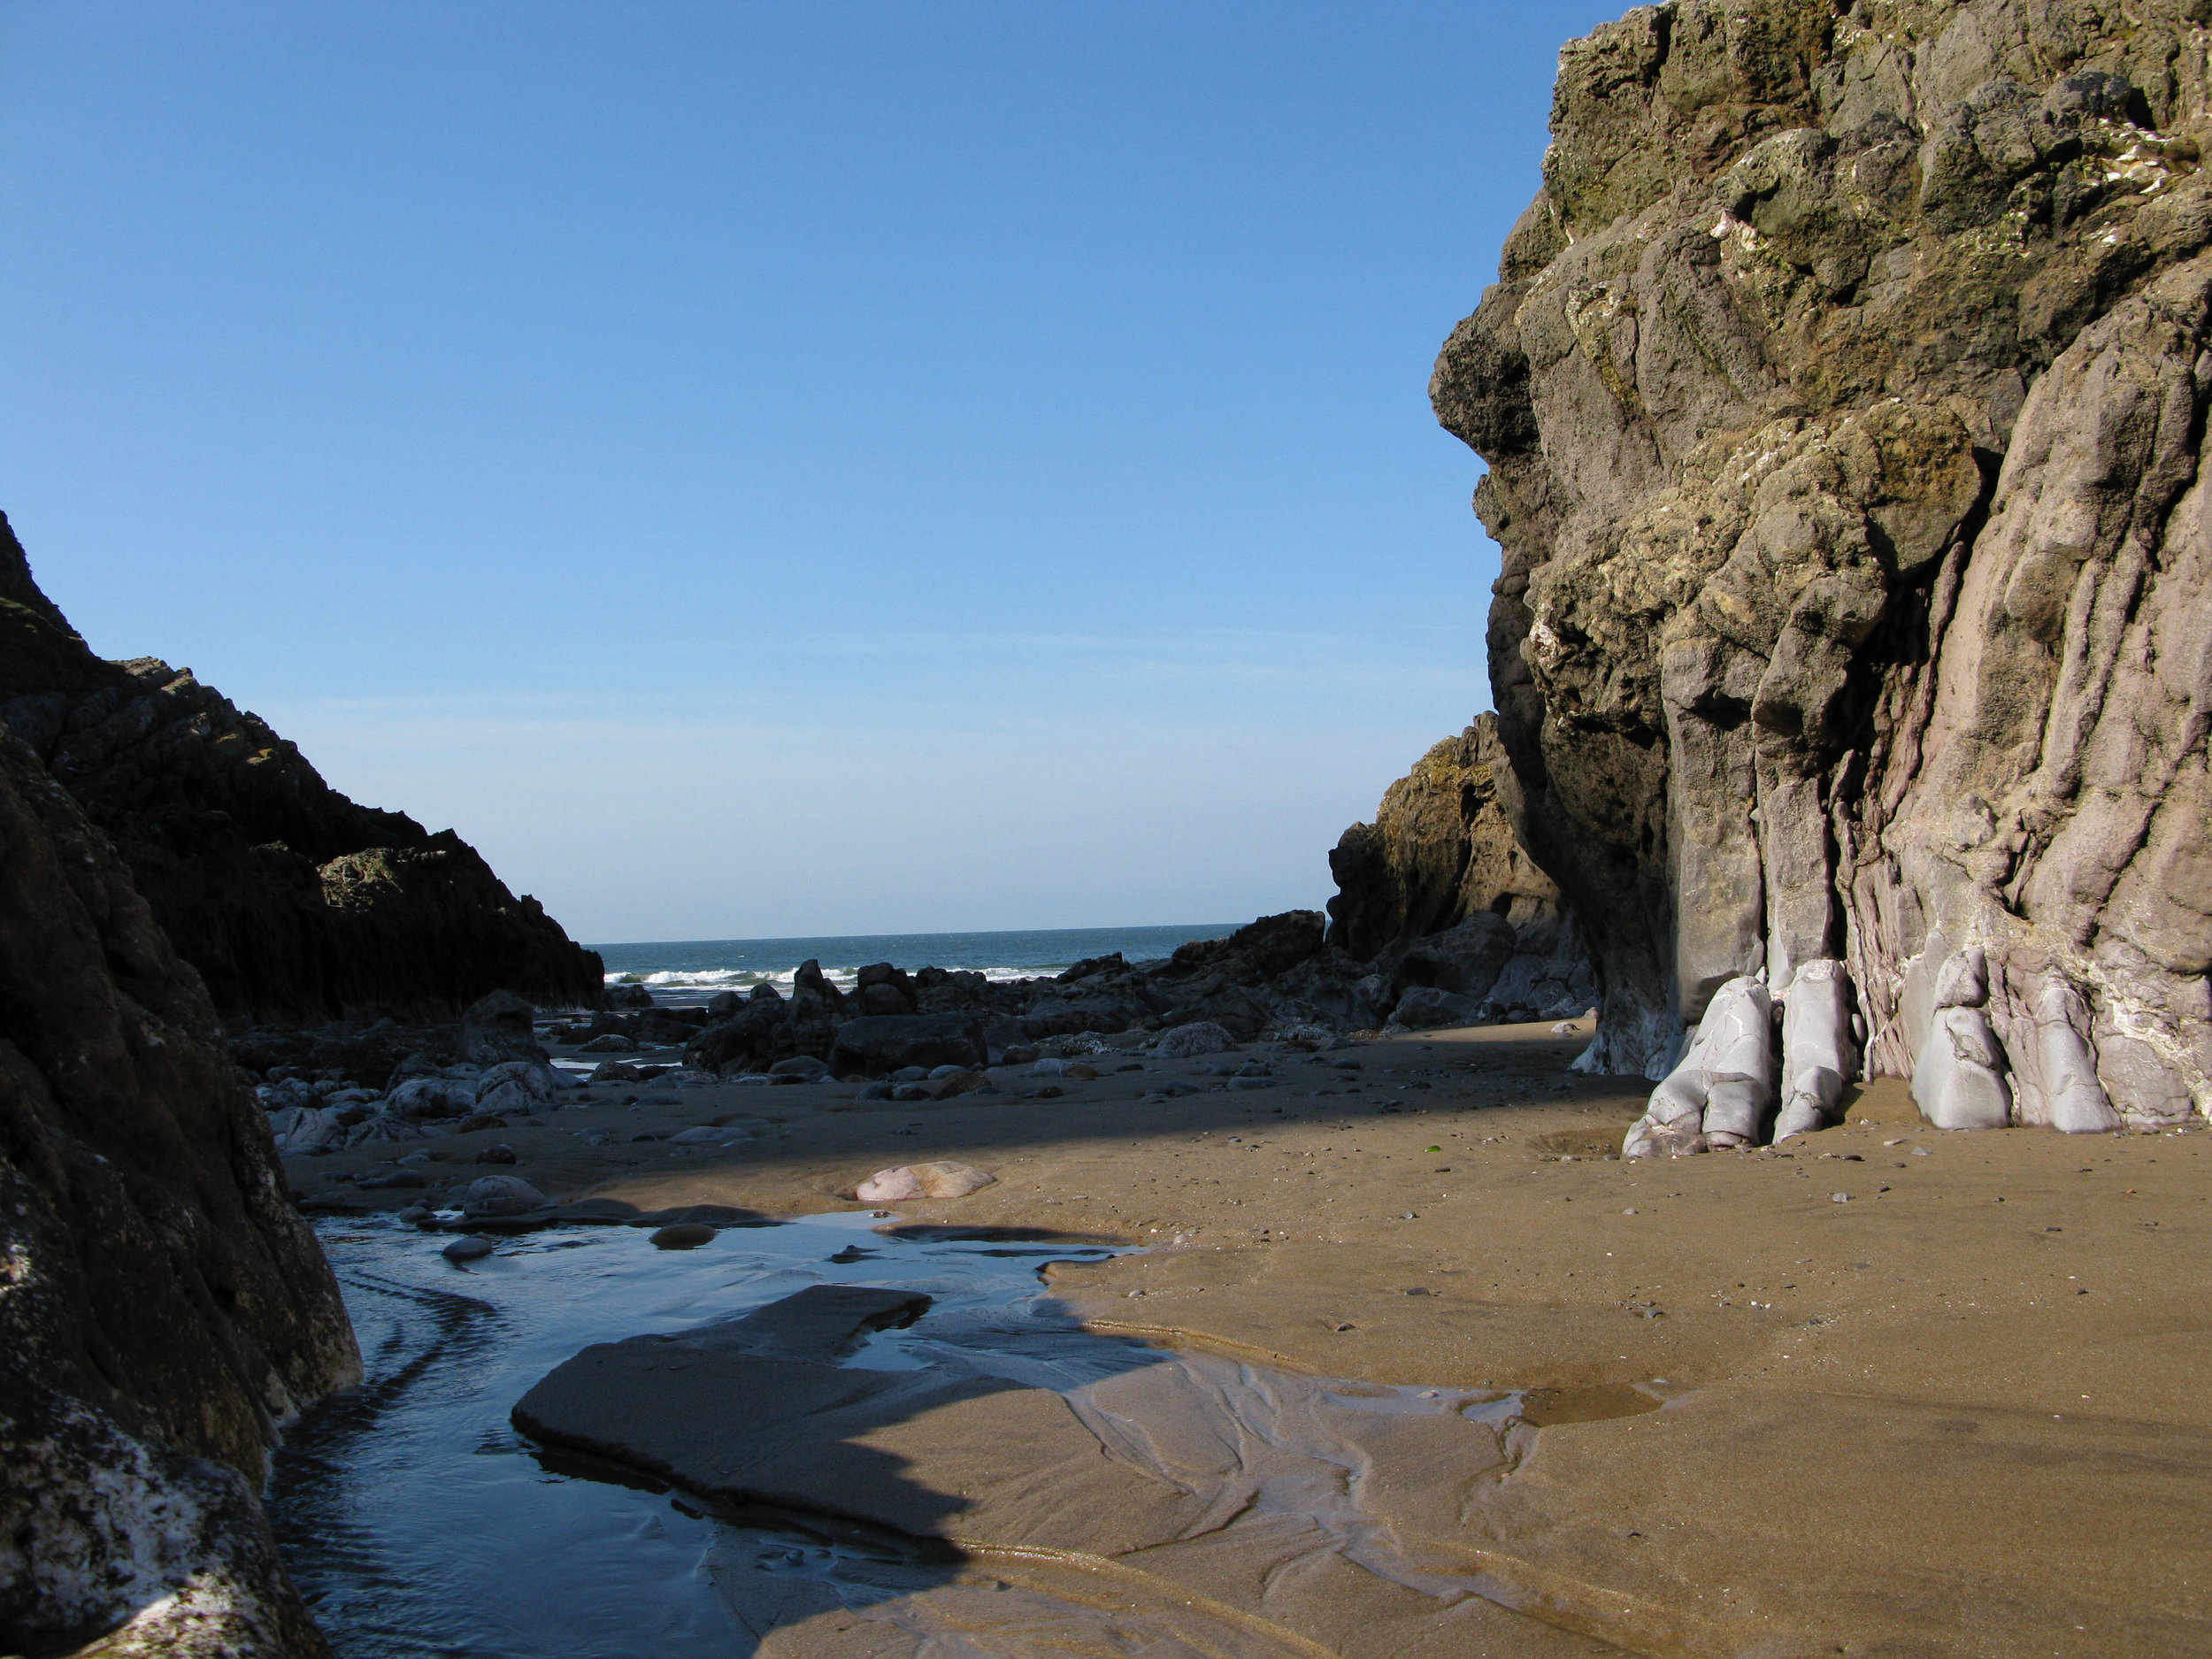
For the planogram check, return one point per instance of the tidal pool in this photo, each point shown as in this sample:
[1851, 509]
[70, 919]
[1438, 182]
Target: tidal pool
[1308, 1515]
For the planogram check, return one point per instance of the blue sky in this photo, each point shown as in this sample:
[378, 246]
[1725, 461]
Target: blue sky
[764, 470]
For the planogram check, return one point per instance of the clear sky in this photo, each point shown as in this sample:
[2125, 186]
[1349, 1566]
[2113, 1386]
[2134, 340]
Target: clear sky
[838, 466]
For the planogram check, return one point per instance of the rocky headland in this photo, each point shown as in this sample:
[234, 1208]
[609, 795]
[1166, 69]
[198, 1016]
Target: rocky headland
[292, 902]
[1843, 393]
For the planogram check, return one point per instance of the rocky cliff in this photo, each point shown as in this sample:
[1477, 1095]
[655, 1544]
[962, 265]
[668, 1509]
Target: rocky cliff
[161, 1308]
[1443, 846]
[291, 901]
[1843, 394]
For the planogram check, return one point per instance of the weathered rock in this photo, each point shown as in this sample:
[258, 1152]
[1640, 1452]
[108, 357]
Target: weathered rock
[291, 901]
[498, 1027]
[1425, 1008]
[922, 1180]
[1720, 1093]
[876, 1044]
[500, 1195]
[1258, 950]
[1819, 1054]
[432, 1097]
[1842, 401]
[1186, 1042]
[1443, 847]
[164, 1309]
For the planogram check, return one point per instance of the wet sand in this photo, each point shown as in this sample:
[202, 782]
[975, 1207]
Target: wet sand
[1958, 1409]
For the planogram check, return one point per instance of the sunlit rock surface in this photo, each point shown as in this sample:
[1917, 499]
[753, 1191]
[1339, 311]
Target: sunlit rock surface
[1843, 394]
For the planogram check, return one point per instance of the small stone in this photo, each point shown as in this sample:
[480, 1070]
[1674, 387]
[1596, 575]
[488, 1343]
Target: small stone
[471, 1249]
[707, 1135]
[683, 1235]
[1839, 1198]
[500, 1152]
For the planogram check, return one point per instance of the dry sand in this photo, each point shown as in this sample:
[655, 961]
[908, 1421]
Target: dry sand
[1925, 1394]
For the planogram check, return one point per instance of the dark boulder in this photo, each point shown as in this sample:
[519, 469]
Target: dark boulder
[884, 989]
[753, 1038]
[1256, 951]
[877, 1043]
[498, 1027]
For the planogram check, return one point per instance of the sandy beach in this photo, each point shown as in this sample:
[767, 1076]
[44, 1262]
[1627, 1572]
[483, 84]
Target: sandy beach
[1923, 1393]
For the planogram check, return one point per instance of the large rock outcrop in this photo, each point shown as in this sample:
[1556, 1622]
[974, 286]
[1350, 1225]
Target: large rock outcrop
[1444, 845]
[1843, 394]
[293, 902]
[161, 1308]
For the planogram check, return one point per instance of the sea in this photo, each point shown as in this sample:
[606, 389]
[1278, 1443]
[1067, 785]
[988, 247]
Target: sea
[687, 973]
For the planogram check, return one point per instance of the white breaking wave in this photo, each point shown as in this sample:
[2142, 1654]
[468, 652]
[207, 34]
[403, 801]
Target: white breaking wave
[745, 979]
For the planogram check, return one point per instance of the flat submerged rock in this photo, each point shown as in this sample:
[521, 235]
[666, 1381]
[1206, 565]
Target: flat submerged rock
[1229, 1508]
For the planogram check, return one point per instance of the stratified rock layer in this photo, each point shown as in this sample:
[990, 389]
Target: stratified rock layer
[1843, 394]
[161, 1308]
[291, 901]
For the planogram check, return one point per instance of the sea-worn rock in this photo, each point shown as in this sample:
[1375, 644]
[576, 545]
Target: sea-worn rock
[875, 1045]
[922, 1180]
[1843, 403]
[1425, 1008]
[500, 1026]
[1443, 847]
[1186, 1042]
[163, 1310]
[500, 1195]
[293, 902]
[683, 1235]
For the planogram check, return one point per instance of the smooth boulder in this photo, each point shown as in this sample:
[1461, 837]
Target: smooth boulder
[922, 1180]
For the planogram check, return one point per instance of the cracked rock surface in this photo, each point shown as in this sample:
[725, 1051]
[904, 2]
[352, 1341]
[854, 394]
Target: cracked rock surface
[1843, 394]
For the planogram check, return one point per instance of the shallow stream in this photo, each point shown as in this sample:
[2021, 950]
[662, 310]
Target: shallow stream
[417, 1521]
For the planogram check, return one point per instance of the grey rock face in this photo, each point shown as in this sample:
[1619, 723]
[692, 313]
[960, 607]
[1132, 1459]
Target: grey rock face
[1843, 394]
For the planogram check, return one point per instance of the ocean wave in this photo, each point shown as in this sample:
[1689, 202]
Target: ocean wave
[744, 979]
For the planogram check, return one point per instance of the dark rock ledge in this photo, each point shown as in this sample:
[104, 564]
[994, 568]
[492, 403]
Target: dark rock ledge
[163, 1310]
